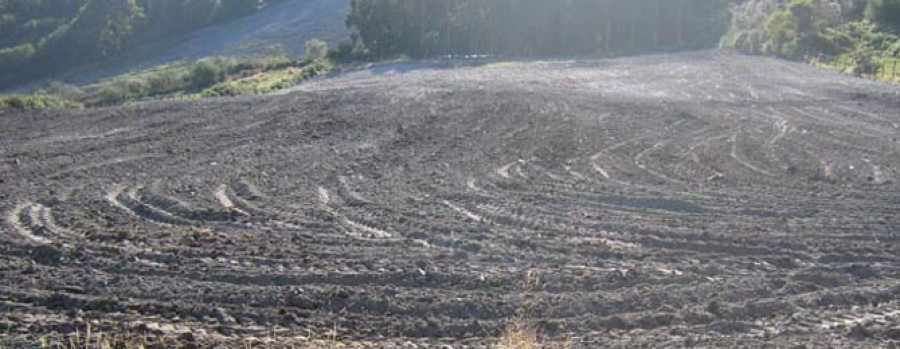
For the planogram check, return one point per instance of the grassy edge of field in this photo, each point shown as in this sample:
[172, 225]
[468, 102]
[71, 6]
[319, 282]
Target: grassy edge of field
[36, 101]
[207, 78]
[886, 69]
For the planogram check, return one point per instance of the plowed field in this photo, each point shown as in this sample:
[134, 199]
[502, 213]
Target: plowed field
[691, 199]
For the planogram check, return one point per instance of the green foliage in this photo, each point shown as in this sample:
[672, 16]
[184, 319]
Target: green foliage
[427, 28]
[67, 33]
[268, 81]
[786, 29]
[102, 28]
[347, 52]
[867, 47]
[883, 11]
[829, 31]
[232, 76]
[316, 49]
[37, 101]
[781, 31]
[206, 74]
[26, 21]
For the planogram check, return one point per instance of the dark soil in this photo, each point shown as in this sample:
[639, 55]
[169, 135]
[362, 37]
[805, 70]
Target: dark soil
[703, 199]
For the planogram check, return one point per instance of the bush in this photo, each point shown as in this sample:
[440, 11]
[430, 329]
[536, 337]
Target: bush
[24, 102]
[65, 91]
[316, 49]
[347, 53]
[166, 81]
[205, 74]
[268, 81]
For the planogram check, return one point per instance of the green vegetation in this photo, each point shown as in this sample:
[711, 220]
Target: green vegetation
[202, 79]
[268, 81]
[39, 38]
[316, 49]
[429, 28]
[886, 12]
[36, 101]
[856, 37]
[206, 74]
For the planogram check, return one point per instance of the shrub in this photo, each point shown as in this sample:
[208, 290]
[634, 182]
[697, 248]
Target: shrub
[205, 74]
[164, 82]
[65, 91]
[316, 49]
[347, 53]
[268, 81]
[24, 102]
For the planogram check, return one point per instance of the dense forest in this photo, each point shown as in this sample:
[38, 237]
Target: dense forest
[795, 28]
[425, 28]
[43, 37]
[858, 36]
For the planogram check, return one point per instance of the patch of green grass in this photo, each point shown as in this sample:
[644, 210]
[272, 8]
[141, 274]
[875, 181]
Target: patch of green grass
[872, 66]
[268, 81]
[191, 80]
[35, 101]
[890, 70]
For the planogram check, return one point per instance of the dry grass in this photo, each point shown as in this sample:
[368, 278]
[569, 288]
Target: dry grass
[520, 335]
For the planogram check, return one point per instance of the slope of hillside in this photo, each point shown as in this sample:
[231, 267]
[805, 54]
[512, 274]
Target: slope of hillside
[288, 24]
[282, 27]
[696, 200]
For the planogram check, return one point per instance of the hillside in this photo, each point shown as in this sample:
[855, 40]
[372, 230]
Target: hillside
[280, 27]
[284, 26]
[701, 199]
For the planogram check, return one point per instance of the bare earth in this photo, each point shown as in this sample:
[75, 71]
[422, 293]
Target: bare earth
[700, 199]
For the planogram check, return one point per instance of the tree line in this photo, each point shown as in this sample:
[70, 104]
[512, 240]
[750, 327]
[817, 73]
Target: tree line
[41, 37]
[863, 32]
[427, 28]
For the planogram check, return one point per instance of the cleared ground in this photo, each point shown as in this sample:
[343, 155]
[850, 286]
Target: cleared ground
[700, 198]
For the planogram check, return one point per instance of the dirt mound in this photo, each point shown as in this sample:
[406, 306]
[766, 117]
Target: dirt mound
[701, 199]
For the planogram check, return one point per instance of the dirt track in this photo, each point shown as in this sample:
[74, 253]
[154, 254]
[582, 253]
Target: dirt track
[700, 198]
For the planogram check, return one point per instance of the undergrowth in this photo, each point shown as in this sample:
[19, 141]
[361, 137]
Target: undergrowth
[182, 80]
[268, 81]
[826, 33]
[35, 101]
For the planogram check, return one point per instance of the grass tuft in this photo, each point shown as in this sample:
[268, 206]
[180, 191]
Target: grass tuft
[520, 334]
